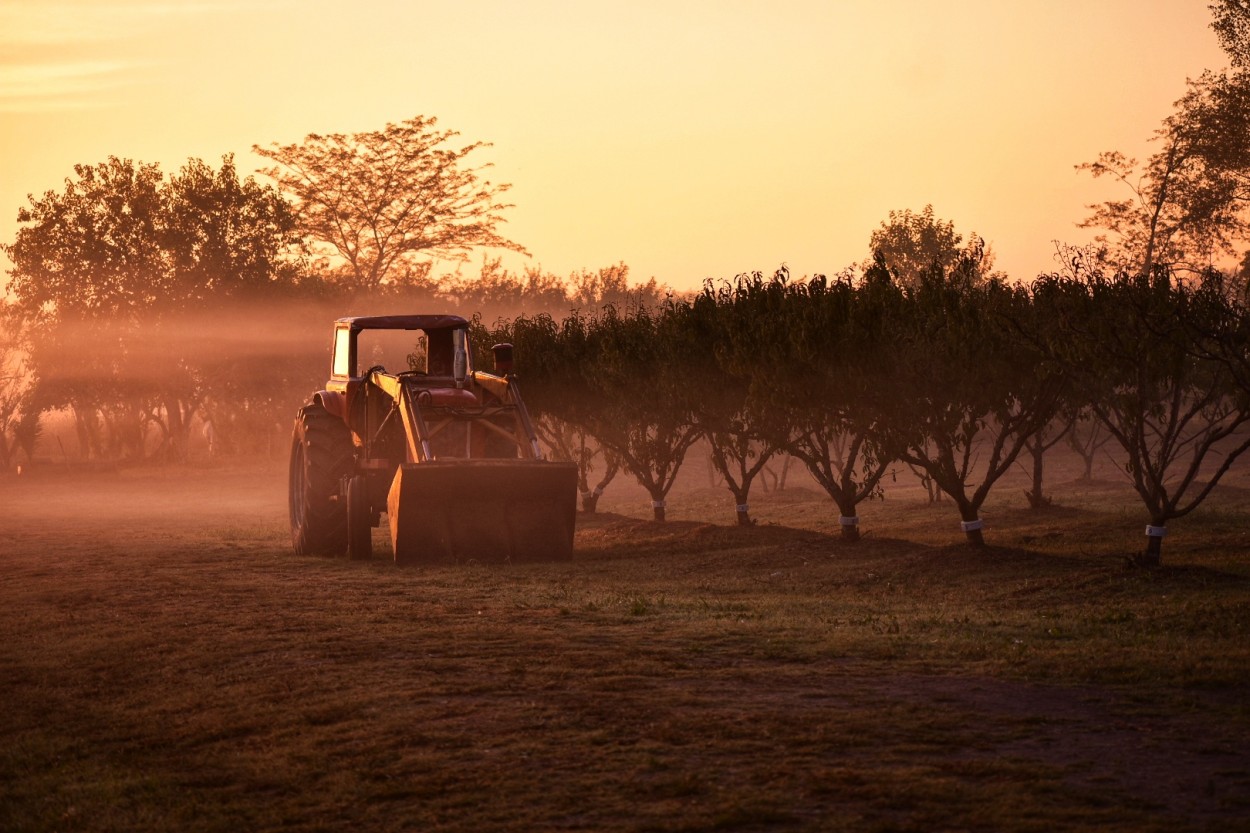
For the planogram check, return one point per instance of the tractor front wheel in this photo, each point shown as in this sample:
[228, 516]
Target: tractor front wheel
[321, 456]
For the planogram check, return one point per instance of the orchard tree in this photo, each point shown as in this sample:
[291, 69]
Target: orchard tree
[616, 376]
[808, 351]
[1035, 448]
[645, 416]
[1086, 437]
[1176, 411]
[739, 454]
[573, 443]
[728, 416]
[388, 202]
[838, 332]
[968, 390]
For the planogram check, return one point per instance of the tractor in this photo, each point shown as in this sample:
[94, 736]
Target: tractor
[447, 452]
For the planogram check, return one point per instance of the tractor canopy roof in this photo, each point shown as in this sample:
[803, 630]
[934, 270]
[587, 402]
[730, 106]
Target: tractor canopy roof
[405, 322]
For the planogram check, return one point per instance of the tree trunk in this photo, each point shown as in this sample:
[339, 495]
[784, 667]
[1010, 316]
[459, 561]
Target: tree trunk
[849, 522]
[179, 422]
[88, 436]
[1035, 497]
[785, 470]
[766, 473]
[590, 499]
[743, 510]
[972, 529]
[1153, 556]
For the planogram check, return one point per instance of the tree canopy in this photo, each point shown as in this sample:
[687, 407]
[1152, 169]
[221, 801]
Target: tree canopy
[1185, 207]
[1232, 26]
[94, 249]
[910, 244]
[225, 236]
[120, 240]
[382, 205]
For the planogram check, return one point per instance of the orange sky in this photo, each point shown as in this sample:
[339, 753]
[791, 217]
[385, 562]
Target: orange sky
[687, 138]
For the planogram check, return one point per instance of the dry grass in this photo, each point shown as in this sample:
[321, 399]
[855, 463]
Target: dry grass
[169, 665]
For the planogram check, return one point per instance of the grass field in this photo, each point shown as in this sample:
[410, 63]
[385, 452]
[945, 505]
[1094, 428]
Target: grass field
[166, 664]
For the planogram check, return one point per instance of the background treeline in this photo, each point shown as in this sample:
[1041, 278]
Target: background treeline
[143, 307]
[225, 378]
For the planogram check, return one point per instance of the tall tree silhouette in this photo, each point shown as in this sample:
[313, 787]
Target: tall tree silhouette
[379, 200]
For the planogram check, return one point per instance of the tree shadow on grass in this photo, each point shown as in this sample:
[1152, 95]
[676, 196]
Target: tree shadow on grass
[610, 536]
[1041, 551]
[607, 535]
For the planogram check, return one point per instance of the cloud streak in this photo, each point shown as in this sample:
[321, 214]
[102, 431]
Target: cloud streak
[67, 55]
[63, 85]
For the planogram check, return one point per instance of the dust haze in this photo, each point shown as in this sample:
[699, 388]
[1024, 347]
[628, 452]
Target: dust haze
[242, 372]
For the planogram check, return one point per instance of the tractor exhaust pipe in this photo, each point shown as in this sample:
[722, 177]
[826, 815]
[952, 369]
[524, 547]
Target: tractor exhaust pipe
[461, 370]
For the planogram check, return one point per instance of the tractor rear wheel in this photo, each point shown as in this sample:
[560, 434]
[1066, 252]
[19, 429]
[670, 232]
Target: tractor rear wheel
[321, 456]
[359, 519]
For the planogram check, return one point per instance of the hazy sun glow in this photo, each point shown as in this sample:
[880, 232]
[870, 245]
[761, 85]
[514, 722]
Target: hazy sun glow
[689, 139]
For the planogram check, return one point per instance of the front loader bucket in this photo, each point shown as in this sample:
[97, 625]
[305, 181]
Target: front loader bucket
[482, 510]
